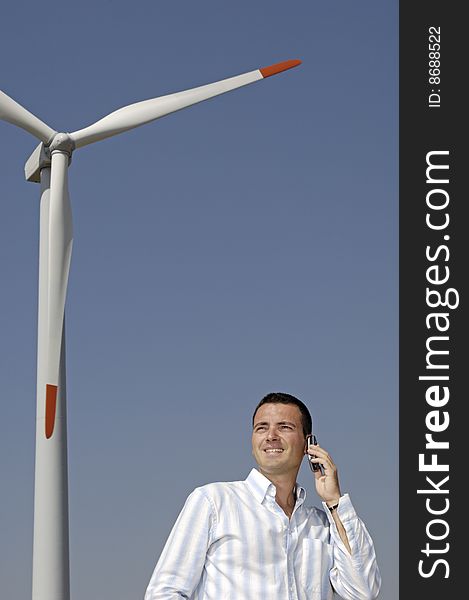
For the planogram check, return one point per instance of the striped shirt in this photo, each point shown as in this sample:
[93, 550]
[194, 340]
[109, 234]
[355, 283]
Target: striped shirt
[232, 541]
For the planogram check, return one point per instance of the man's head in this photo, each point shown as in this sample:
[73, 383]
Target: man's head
[282, 398]
[281, 423]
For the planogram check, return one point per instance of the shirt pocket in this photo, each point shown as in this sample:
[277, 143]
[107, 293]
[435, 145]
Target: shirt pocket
[316, 563]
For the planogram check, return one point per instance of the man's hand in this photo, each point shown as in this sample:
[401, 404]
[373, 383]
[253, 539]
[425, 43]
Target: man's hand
[327, 485]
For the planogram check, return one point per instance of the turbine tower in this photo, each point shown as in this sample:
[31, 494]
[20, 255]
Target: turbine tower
[48, 165]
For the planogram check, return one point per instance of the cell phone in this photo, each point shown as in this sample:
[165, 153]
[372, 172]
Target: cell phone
[311, 440]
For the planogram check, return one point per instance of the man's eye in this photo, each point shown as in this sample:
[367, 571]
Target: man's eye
[285, 427]
[260, 428]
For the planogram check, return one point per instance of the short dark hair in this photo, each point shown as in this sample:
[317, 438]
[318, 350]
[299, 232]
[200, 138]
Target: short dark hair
[282, 398]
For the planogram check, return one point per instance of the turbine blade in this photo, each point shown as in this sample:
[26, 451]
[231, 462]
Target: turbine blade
[14, 113]
[60, 233]
[143, 112]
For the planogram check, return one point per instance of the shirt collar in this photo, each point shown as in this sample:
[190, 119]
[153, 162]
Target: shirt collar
[261, 487]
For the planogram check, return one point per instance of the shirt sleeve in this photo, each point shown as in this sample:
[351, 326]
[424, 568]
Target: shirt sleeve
[353, 576]
[180, 566]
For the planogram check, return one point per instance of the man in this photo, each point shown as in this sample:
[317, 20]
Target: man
[256, 539]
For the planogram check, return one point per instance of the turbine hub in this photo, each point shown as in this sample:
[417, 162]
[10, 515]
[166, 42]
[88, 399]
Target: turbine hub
[62, 142]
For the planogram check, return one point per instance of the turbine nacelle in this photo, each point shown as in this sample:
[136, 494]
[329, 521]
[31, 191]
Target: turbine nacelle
[41, 156]
[39, 159]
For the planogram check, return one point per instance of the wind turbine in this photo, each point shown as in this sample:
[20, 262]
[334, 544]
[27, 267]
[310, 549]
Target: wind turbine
[48, 165]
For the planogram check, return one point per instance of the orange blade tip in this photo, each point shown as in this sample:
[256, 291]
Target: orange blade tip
[51, 404]
[279, 67]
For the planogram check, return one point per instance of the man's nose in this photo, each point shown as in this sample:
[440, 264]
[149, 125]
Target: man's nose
[272, 434]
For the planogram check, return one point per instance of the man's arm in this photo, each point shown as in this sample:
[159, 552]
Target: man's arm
[354, 574]
[180, 566]
[340, 526]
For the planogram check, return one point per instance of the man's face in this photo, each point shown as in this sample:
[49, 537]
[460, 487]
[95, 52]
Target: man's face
[278, 442]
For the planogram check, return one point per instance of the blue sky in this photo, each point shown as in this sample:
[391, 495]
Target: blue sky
[245, 245]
